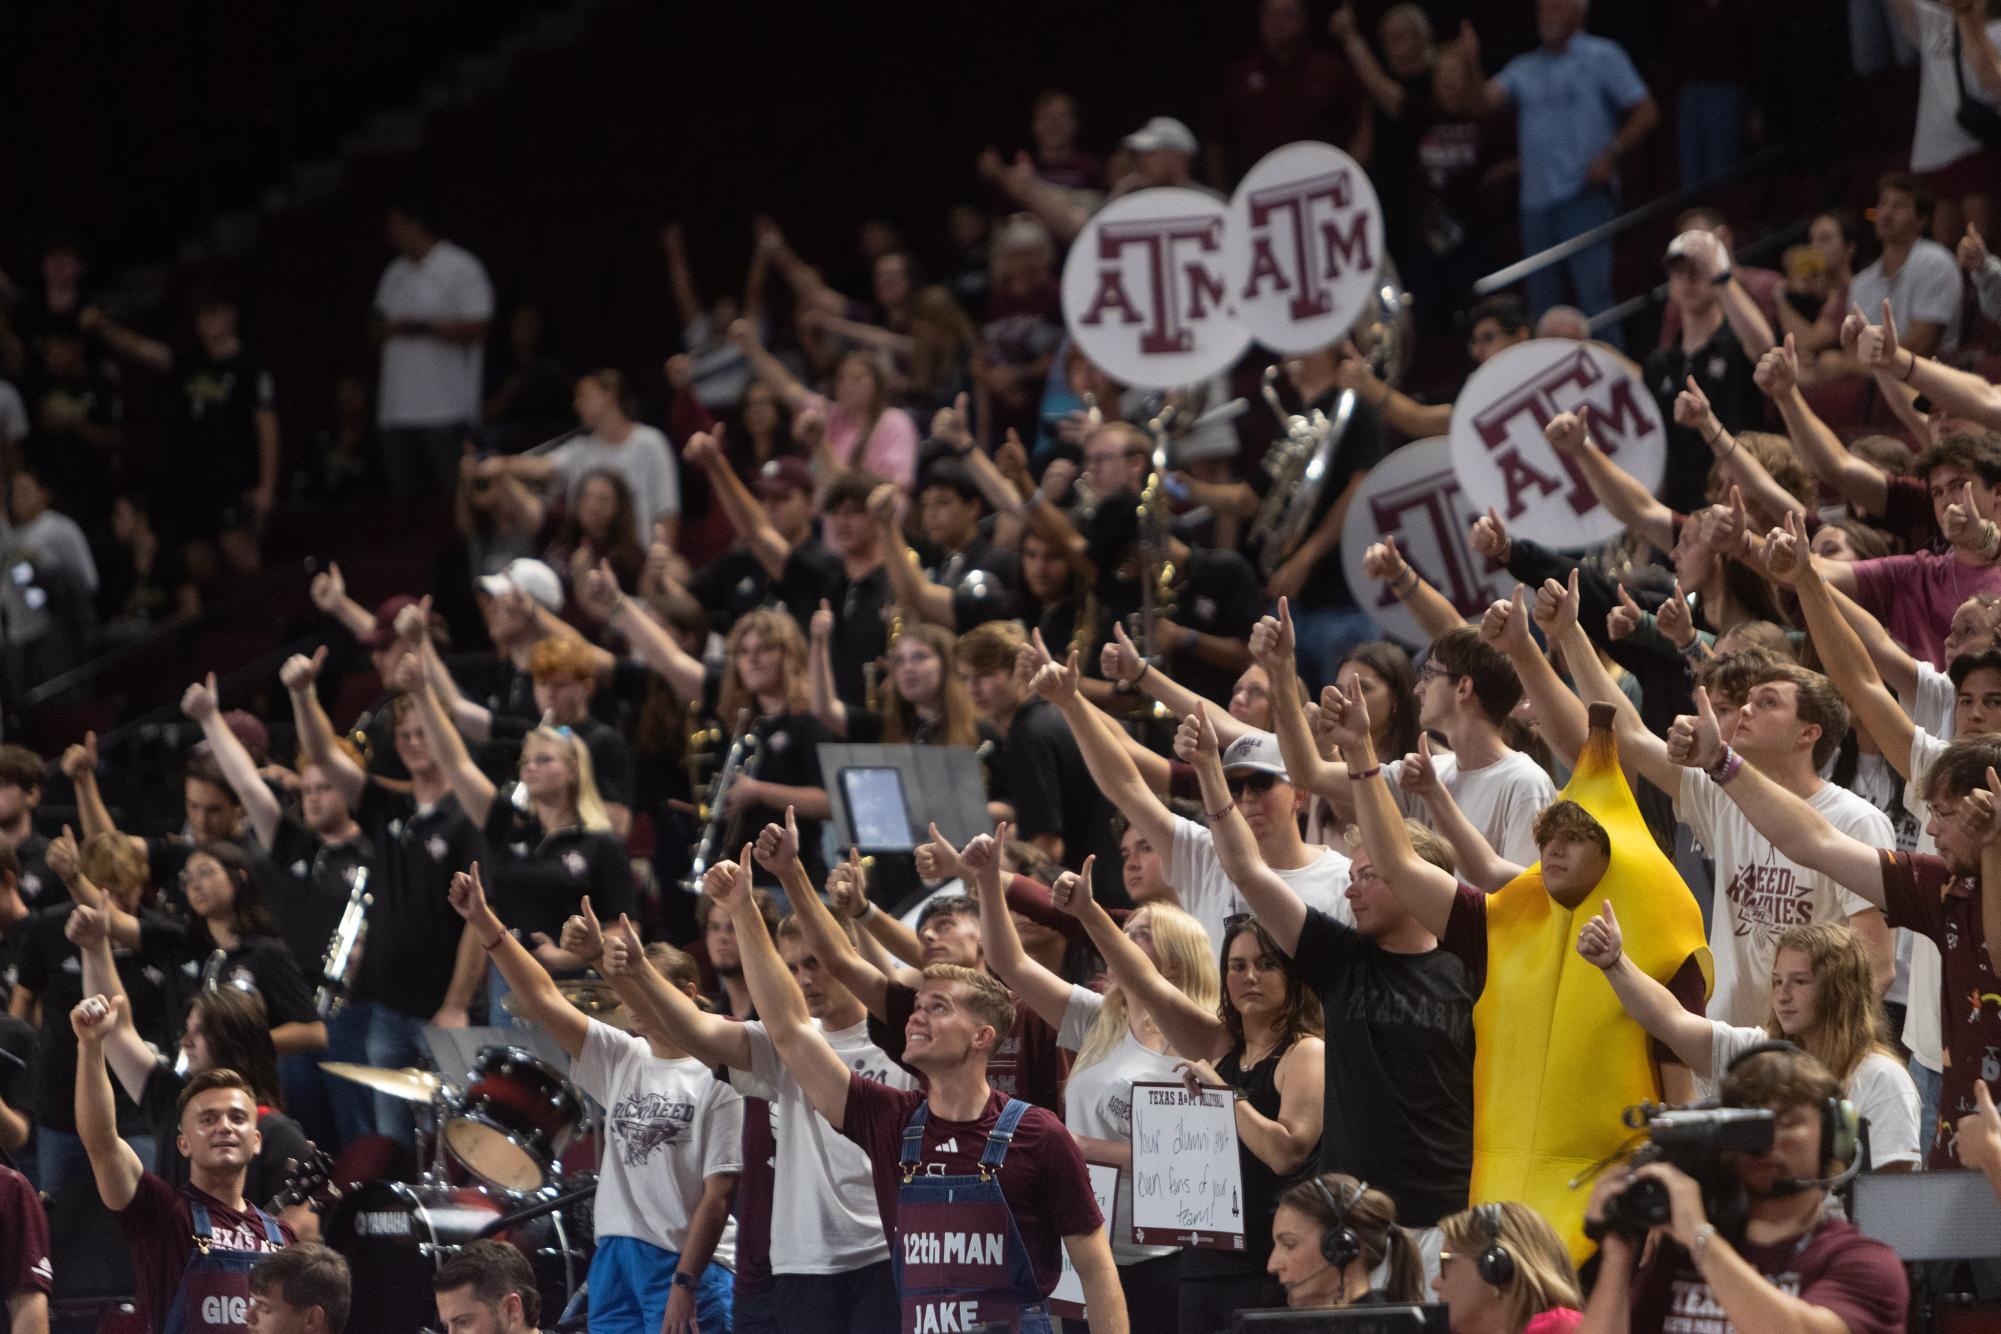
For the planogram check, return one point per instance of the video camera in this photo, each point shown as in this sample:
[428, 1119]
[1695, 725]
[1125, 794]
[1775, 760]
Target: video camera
[1701, 1141]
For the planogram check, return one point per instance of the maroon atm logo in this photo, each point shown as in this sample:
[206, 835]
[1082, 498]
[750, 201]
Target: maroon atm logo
[1305, 247]
[1144, 291]
[1305, 235]
[1503, 459]
[1181, 277]
[1430, 524]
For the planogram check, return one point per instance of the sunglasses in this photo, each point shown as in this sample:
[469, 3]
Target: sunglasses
[1257, 784]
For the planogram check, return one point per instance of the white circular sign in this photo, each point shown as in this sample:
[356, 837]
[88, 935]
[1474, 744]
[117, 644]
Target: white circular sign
[1503, 460]
[1144, 294]
[1304, 248]
[1414, 496]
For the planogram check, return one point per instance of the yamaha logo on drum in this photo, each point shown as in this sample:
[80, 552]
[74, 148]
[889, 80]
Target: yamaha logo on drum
[382, 1225]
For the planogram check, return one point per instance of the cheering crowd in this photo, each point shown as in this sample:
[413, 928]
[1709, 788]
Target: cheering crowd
[1703, 814]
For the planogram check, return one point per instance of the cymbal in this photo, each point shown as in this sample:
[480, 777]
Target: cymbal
[596, 999]
[410, 1085]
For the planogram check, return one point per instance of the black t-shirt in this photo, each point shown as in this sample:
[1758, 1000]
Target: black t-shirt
[788, 753]
[52, 972]
[861, 625]
[283, 1138]
[148, 597]
[1724, 373]
[407, 958]
[1361, 449]
[1399, 1066]
[182, 950]
[730, 587]
[501, 688]
[1054, 793]
[611, 760]
[985, 581]
[316, 879]
[40, 887]
[1220, 596]
[215, 429]
[537, 878]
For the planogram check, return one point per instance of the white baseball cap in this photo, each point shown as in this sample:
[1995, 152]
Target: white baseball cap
[1162, 132]
[531, 576]
[1255, 752]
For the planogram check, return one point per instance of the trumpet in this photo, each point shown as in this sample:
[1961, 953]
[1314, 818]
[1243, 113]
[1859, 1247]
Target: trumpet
[717, 824]
[342, 963]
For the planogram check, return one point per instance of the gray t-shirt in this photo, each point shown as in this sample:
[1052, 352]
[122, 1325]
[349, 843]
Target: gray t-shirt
[642, 460]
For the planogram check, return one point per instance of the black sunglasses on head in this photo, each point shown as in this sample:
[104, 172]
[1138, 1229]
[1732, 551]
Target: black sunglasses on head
[1255, 783]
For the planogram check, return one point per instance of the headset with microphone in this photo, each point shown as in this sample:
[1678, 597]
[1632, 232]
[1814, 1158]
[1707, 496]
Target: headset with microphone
[1841, 1135]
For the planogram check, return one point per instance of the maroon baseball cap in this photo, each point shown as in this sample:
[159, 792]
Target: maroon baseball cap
[249, 730]
[781, 475]
[384, 633]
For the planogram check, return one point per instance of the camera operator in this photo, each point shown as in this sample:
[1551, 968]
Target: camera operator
[1795, 1267]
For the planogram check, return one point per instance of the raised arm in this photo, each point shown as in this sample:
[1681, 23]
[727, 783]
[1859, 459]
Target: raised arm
[1281, 911]
[474, 789]
[885, 943]
[1652, 1006]
[768, 368]
[821, 697]
[1432, 610]
[127, 343]
[260, 807]
[778, 852]
[115, 1166]
[1120, 660]
[1111, 768]
[822, 1074]
[710, 1038]
[300, 676]
[745, 511]
[1043, 991]
[1478, 864]
[1797, 830]
[931, 601]
[534, 989]
[1858, 481]
[1640, 751]
[1427, 891]
[1273, 647]
[1560, 716]
[649, 641]
[1692, 409]
[328, 592]
[1189, 1029]
[132, 1061]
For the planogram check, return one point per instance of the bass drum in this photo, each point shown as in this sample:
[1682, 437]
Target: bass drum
[396, 1236]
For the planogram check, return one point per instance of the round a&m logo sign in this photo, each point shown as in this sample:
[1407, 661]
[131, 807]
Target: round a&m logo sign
[1504, 461]
[1304, 247]
[1144, 293]
[1414, 496]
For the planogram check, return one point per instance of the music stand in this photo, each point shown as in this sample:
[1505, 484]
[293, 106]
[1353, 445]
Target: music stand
[1430, 1318]
[1929, 1215]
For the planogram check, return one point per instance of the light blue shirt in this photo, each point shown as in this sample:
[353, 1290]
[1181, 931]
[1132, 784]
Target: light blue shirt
[1571, 104]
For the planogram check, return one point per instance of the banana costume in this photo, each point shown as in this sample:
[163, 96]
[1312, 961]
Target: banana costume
[1557, 1059]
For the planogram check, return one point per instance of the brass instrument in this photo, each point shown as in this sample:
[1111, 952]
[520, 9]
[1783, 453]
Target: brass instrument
[1299, 463]
[718, 827]
[1157, 572]
[342, 963]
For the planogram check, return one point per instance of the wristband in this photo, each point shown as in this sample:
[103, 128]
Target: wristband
[1913, 370]
[1213, 816]
[1692, 649]
[1365, 775]
[1990, 537]
[683, 1279]
[1404, 584]
[1711, 440]
[490, 947]
[1726, 767]
[617, 605]
[1145, 666]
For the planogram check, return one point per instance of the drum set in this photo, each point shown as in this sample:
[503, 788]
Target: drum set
[511, 1154]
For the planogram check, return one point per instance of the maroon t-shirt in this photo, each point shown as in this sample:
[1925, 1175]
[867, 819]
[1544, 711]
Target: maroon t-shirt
[1048, 1189]
[1466, 937]
[159, 1229]
[1921, 892]
[1029, 1065]
[24, 1236]
[1859, 1279]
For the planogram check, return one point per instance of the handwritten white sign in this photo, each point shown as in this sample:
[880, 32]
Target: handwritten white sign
[1068, 1298]
[1188, 1183]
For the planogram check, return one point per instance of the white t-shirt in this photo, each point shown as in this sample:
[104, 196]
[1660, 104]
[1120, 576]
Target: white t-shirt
[1880, 1088]
[1933, 702]
[1926, 288]
[1923, 1033]
[429, 381]
[643, 461]
[1210, 896]
[1501, 800]
[824, 1218]
[1760, 893]
[13, 415]
[669, 1126]
[1938, 140]
[1098, 1103]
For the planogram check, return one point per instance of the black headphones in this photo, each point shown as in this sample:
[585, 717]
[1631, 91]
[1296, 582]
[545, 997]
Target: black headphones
[1840, 1123]
[1339, 1246]
[1496, 1266]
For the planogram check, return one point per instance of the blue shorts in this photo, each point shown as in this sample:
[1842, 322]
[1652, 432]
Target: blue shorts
[631, 1281]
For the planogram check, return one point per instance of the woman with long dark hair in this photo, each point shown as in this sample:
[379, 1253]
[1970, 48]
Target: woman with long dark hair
[1320, 1267]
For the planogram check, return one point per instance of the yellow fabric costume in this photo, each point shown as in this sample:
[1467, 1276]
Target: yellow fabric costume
[1557, 1057]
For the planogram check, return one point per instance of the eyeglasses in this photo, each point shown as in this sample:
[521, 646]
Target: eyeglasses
[1431, 672]
[1257, 784]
